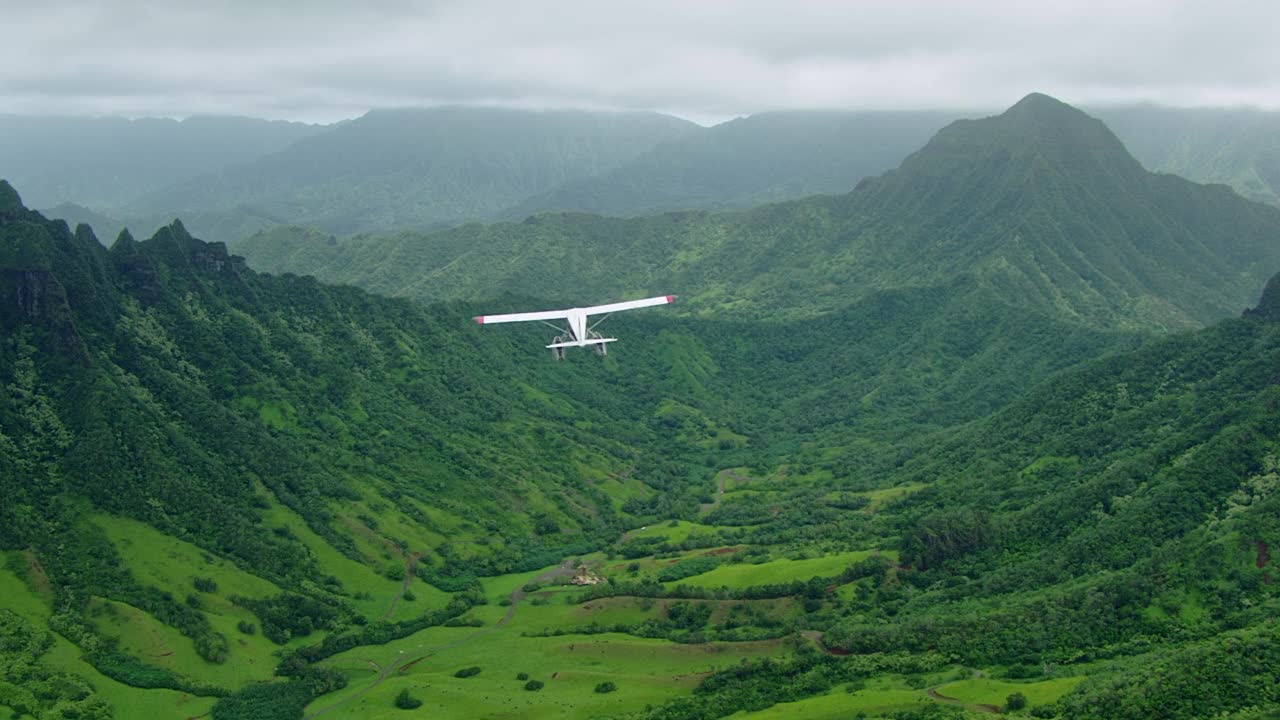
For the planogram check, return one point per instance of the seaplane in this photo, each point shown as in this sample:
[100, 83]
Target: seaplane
[577, 332]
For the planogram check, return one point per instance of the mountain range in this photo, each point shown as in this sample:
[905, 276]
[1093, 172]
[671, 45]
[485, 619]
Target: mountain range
[1042, 203]
[230, 177]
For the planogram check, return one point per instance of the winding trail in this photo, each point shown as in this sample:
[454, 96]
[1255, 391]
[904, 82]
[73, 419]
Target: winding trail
[386, 671]
[403, 662]
[721, 478]
[409, 562]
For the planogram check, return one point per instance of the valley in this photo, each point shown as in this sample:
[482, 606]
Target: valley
[996, 432]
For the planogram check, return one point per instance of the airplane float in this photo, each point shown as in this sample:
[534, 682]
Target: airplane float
[578, 333]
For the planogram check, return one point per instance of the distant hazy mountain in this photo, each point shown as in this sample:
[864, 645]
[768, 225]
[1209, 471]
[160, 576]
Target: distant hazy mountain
[1240, 148]
[422, 168]
[425, 169]
[750, 161]
[1042, 203]
[105, 162]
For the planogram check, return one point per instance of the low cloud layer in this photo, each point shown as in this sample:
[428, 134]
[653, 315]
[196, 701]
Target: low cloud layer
[322, 60]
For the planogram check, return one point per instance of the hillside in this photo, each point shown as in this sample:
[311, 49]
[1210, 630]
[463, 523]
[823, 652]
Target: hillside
[315, 441]
[421, 168]
[1042, 203]
[1240, 148]
[1103, 547]
[762, 158]
[105, 162]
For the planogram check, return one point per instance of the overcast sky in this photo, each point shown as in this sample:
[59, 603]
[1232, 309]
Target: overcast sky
[322, 60]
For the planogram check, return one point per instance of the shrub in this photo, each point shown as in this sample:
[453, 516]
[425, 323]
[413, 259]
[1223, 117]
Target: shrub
[405, 701]
[467, 672]
[1022, 672]
[533, 685]
[606, 687]
[246, 627]
[1015, 701]
[522, 676]
[205, 584]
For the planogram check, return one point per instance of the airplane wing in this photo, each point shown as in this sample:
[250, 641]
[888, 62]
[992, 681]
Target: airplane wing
[562, 314]
[522, 317]
[629, 305]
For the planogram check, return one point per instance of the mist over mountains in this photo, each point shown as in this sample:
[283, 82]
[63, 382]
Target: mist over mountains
[105, 163]
[394, 170]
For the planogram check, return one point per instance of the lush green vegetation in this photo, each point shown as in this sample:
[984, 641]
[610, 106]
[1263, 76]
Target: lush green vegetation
[262, 497]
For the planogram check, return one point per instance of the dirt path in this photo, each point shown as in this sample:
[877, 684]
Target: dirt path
[721, 478]
[403, 662]
[409, 562]
[363, 691]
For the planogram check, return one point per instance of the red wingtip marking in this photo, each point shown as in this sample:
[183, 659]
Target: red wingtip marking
[479, 319]
[671, 298]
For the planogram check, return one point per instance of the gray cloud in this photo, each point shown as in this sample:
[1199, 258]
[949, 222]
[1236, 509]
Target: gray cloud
[705, 58]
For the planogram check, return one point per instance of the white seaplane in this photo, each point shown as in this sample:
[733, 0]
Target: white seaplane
[578, 333]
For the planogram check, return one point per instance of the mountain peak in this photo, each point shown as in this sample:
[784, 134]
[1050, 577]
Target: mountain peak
[1047, 121]
[10, 201]
[1038, 140]
[1040, 104]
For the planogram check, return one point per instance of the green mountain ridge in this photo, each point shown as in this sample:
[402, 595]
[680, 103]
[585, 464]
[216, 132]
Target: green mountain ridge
[1042, 201]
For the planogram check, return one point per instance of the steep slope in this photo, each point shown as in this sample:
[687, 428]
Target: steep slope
[393, 169]
[1240, 148]
[1106, 540]
[1042, 203]
[105, 162]
[1124, 509]
[304, 441]
[768, 157]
